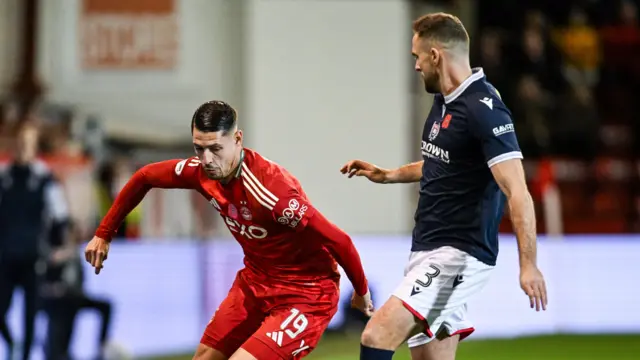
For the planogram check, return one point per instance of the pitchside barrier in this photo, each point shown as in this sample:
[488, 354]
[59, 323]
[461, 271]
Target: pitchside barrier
[164, 293]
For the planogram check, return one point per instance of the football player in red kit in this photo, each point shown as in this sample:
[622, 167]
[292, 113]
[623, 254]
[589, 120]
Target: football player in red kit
[283, 300]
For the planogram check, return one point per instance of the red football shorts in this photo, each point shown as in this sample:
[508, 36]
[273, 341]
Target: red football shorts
[272, 322]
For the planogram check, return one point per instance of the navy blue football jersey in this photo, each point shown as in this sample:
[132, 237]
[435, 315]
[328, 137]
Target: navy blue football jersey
[460, 204]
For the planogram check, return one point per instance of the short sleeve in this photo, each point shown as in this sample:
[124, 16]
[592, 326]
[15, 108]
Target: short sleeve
[490, 122]
[281, 195]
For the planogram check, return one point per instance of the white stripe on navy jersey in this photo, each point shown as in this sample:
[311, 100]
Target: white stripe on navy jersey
[504, 157]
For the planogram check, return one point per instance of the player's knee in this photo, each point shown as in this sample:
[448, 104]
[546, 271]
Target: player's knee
[243, 354]
[373, 337]
[204, 352]
[380, 338]
[389, 327]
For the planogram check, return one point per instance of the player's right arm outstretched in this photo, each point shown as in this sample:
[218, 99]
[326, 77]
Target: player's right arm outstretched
[170, 174]
[405, 174]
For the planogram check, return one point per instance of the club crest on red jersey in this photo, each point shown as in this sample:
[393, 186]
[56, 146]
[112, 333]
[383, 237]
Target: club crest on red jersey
[245, 213]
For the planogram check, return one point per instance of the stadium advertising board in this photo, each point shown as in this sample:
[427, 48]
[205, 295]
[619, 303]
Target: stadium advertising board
[165, 293]
[122, 34]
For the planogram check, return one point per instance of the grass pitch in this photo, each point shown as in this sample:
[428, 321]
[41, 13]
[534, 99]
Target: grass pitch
[555, 347]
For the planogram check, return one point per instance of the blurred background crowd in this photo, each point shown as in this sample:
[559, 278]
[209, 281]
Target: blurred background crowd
[568, 70]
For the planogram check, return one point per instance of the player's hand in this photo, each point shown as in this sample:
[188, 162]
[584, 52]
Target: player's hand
[363, 168]
[532, 282]
[363, 303]
[96, 253]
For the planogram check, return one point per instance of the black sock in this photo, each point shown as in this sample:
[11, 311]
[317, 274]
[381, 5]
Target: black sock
[367, 353]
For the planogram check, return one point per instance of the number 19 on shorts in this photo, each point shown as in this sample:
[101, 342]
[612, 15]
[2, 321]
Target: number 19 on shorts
[297, 321]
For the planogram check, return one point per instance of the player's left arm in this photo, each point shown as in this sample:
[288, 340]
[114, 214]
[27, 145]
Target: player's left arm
[342, 249]
[293, 211]
[491, 123]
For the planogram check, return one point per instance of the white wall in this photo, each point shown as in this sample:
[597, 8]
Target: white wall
[328, 83]
[154, 104]
[316, 83]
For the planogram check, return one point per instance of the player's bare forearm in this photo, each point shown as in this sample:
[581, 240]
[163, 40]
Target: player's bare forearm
[409, 173]
[523, 218]
[510, 177]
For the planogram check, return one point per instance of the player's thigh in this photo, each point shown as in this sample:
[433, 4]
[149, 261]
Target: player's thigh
[235, 320]
[436, 289]
[443, 347]
[290, 332]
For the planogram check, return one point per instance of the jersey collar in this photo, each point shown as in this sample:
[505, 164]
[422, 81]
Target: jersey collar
[239, 170]
[477, 74]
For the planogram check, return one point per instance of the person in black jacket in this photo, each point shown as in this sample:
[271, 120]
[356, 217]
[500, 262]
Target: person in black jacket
[33, 210]
[64, 297]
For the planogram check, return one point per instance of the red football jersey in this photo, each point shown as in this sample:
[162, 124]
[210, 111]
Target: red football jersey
[267, 211]
[283, 237]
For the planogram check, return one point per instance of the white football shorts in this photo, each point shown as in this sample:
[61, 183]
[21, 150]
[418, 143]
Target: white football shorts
[436, 288]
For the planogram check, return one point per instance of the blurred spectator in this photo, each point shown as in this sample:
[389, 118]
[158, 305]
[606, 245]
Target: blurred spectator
[532, 111]
[32, 208]
[575, 128]
[490, 56]
[538, 59]
[580, 46]
[94, 138]
[65, 296]
[621, 41]
[535, 20]
[112, 176]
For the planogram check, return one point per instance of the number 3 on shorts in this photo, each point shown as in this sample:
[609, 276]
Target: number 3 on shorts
[297, 321]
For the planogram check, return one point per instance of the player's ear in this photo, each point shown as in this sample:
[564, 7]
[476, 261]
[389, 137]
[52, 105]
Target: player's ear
[238, 137]
[435, 56]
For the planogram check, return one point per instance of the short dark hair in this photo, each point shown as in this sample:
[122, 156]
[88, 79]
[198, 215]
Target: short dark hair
[214, 116]
[441, 27]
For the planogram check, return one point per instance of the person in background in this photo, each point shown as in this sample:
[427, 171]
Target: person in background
[532, 108]
[32, 209]
[64, 297]
[109, 183]
[490, 55]
[579, 43]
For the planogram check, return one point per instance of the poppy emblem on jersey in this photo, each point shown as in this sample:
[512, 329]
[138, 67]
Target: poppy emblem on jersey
[435, 130]
[233, 212]
[245, 213]
[446, 121]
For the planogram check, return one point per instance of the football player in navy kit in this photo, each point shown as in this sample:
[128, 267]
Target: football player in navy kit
[471, 167]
